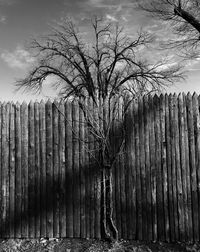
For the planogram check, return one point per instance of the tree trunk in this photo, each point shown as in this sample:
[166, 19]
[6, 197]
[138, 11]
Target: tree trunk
[109, 230]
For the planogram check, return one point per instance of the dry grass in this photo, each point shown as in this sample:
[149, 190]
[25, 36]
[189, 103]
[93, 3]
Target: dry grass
[84, 245]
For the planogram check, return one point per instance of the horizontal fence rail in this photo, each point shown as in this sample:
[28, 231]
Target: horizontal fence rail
[51, 184]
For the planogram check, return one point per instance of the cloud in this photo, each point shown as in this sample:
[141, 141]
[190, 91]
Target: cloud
[3, 19]
[19, 58]
[111, 18]
[7, 2]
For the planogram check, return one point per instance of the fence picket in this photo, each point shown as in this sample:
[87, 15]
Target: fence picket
[189, 201]
[37, 170]
[24, 163]
[192, 175]
[56, 182]
[164, 166]
[42, 116]
[62, 164]
[12, 169]
[147, 113]
[49, 169]
[69, 171]
[182, 166]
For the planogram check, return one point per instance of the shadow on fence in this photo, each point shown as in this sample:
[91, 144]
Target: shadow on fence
[155, 180]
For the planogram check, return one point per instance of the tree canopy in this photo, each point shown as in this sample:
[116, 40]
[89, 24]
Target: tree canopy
[184, 19]
[105, 65]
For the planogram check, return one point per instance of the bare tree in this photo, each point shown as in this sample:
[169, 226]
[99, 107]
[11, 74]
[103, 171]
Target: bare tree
[103, 69]
[184, 19]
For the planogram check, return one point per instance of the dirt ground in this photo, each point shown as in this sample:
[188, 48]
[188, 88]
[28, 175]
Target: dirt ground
[81, 245]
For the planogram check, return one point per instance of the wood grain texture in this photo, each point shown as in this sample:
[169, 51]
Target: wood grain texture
[49, 169]
[42, 148]
[24, 163]
[50, 181]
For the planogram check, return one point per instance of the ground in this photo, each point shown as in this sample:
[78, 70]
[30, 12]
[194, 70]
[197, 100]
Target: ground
[81, 245]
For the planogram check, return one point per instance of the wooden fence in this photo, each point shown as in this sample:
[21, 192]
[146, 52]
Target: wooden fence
[51, 184]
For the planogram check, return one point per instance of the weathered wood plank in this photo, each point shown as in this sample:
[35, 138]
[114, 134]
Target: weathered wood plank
[87, 178]
[12, 169]
[62, 164]
[122, 175]
[43, 183]
[183, 165]
[69, 171]
[37, 170]
[24, 165]
[97, 182]
[142, 167]
[159, 188]
[49, 169]
[198, 150]
[173, 159]
[192, 166]
[178, 171]
[168, 101]
[91, 170]
[153, 169]
[56, 181]
[133, 174]
[31, 171]
[18, 195]
[164, 166]
[147, 126]
[189, 200]
[192, 103]
[76, 180]
[82, 147]
[196, 124]
[160, 201]
[1, 174]
[117, 175]
[5, 169]
[138, 174]
[130, 171]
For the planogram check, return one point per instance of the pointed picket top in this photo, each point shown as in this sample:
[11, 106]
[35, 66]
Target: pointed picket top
[49, 101]
[174, 98]
[183, 95]
[180, 95]
[24, 103]
[145, 99]
[36, 101]
[17, 105]
[56, 104]
[150, 98]
[62, 101]
[31, 103]
[156, 100]
[4, 103]
[162, 96]
[42, 102]
[194, 96]
[166, 95]
[155, 97]
[180, 99]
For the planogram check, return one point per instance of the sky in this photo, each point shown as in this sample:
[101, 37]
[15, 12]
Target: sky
[22, 20]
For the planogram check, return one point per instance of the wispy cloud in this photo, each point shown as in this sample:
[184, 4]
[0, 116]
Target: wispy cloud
[19, 58]
[111, 18]
[7, 2]
[3, 19]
